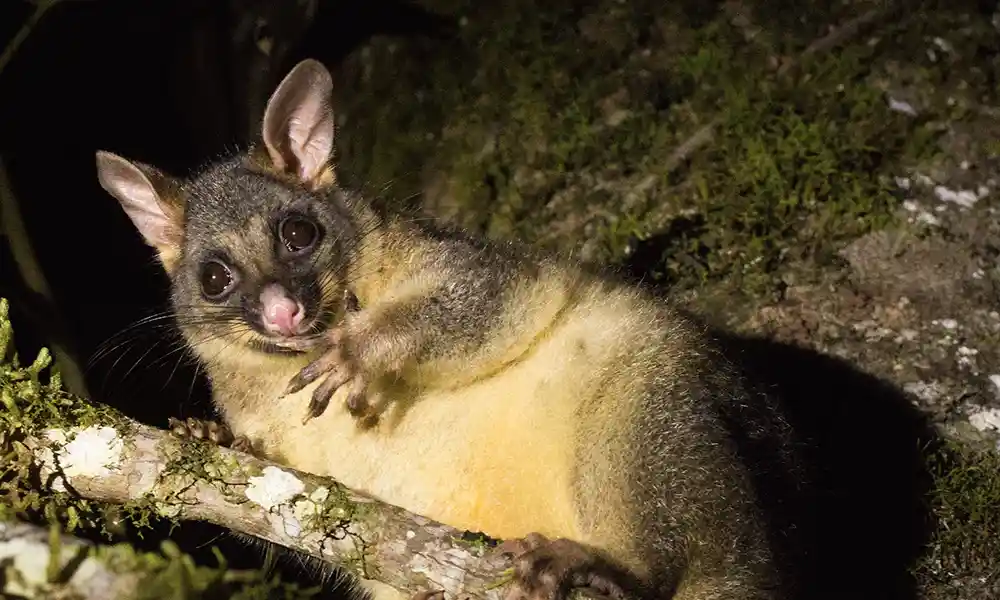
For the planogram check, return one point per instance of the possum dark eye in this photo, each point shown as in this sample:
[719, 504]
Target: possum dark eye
[298, 233]
[216, 279]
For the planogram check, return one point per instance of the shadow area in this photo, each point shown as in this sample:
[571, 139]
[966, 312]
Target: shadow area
[847, 516]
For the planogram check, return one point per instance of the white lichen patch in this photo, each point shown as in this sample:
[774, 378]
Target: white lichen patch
[27, 553]
[273, 490]
[944, 45]
[92, 452]
[284, 522]
[28, 561]
[902, 107]
[928, 392]
[963, 198]
[966, 358]
[273, 487]
[311, 506]
[298, 521]
[949, 324]
[446, 567]
[302, 521]
[985, 419]
[920, 215]
[872, 331]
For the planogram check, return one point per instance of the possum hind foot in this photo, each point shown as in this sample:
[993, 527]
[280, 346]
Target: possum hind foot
[549, 570]
[213, 431]
[339, 371]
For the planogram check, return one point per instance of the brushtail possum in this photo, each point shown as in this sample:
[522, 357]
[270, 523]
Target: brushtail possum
[480, 383]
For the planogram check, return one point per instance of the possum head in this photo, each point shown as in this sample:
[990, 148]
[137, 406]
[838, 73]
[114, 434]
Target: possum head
[256, 245]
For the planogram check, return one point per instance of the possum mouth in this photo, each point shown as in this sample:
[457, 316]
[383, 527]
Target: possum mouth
[312, 336]
[299, 344]
[269, 347]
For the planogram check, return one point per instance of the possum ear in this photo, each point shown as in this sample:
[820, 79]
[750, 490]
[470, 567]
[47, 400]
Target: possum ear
[298, 122]
[150, 198]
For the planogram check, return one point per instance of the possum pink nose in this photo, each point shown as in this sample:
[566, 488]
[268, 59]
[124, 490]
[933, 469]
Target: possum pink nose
[282, 314]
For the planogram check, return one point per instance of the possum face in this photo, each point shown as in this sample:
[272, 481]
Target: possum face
[257, 245]
[262, 252]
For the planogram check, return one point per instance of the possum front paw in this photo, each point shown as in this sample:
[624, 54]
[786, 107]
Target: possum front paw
[213, 431]
[339, 371]
[549, 570]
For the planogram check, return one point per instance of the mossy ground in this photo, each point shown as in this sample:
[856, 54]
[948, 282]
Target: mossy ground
[559, 123]
[564, 136]
[966, 504]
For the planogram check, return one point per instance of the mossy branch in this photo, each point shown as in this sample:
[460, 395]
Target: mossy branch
[43, 563]
[129, 463]
[31, 555]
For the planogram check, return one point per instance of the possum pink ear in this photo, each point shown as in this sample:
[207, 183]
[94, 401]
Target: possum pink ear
[149, 197]
[298, 121]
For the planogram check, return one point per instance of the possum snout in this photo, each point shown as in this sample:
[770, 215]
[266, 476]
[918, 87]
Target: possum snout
[280, 313]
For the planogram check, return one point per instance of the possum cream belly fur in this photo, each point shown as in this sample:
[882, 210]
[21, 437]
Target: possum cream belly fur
[425, 461]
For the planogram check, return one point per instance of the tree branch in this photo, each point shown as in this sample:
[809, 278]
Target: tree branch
[189, 479]
[36, 562]
[32, 557]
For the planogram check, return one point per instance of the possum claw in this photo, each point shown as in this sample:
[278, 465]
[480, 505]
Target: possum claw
[324, 391]
[324, 364]
[242, 444]
[331, 358]
[549, 570]
[339, 371]
[356, 402]
[213, 431]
